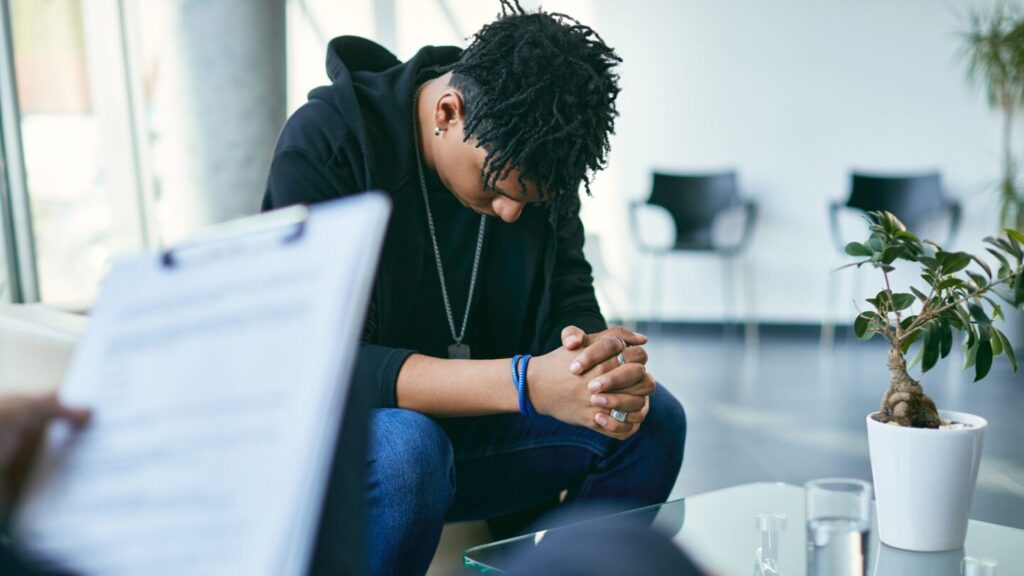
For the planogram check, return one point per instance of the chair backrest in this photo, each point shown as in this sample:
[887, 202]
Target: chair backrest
[911, 198]
[694, 200]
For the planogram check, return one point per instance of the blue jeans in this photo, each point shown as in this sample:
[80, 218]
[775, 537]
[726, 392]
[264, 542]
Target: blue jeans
[424, 472]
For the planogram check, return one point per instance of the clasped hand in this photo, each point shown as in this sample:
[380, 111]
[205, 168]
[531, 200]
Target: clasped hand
[582, 382]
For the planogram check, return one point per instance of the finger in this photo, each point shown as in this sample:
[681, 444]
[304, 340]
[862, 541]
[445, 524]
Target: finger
[645, 387]
[619, 379]
[38, 410]
[636, 417]
[77, 417]
[572, 337]
[600, 351]
[628, 336]
[611, 426]
[635, 354]
[42, 408]
[623, 402]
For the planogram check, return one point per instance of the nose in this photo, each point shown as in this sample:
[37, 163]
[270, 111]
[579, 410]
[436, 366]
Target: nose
[507, 209]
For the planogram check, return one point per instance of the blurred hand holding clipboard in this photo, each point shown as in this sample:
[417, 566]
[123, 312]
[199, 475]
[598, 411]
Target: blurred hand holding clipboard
[217, 373]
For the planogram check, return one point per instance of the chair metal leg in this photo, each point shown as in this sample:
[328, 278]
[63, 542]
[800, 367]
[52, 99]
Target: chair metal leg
[752, 336]
[654, 316]
[828, 328]
[729, 321]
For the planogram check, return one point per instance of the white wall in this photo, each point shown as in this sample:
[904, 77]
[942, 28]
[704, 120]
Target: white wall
[793, 94]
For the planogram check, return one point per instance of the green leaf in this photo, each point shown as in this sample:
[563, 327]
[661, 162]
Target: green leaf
[997, 310]
[970, 352]
[997, 343]
[984, 360]
[999, 256]
[946, 342]
[876, 244]
[978, 313]
[909, 341]
[1015, 235]
[902, 301]
[1018, 291]
[931, 342]
[917, 355]
[1007, 349]
[861, 326]
[979, 280]
[857, 249]
[954, 261]
[881, 301]
[929, 262]
[890, 254]
[984, 265]
[949, 283]
[920, 295]
[908, 236]
[1003, 245]
[963, 315]
[1010, 245]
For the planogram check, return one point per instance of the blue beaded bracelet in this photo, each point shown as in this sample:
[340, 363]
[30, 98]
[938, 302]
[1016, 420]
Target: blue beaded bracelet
[519, 365]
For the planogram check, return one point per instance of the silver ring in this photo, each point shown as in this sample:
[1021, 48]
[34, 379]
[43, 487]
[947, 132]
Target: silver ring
[619, 415]
[620, 358]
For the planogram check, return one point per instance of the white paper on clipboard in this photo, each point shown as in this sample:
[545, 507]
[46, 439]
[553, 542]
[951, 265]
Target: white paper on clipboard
[217, 374]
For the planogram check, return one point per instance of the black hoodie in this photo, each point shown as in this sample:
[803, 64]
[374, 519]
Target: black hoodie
[356, 135]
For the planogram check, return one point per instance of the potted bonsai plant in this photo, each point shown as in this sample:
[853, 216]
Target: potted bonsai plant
[924, 460]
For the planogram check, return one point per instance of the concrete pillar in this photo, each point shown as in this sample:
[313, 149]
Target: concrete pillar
[218, 87]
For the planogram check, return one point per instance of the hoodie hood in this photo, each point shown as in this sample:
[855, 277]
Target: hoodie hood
[373, 90]
[347, 54]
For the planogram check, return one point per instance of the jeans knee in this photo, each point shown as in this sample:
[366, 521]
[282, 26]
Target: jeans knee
[411, 464]
[666, 422]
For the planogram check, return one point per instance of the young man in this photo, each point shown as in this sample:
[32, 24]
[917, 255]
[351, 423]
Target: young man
[483, 152]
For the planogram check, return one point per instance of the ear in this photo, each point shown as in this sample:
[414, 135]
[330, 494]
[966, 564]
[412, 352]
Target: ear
[449, 109]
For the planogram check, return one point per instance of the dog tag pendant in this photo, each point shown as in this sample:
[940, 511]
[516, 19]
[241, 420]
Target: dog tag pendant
[458, 351]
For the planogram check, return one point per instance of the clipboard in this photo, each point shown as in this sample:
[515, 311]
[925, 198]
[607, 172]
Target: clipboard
[218, 373]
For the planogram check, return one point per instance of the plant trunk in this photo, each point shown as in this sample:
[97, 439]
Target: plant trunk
[905, 402]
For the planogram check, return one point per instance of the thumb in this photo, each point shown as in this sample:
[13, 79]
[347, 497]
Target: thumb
[572, 337]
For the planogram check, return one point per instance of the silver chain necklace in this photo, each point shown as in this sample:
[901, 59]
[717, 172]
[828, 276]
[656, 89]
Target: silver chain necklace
[458, 349]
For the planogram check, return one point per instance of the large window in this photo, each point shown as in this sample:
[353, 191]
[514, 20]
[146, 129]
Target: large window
[81, 186]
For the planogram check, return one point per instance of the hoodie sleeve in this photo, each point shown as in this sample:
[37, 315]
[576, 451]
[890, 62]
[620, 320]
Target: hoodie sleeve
[572, 286]
[297, 177]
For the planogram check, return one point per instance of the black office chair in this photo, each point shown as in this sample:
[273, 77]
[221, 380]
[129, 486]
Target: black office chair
[695, 201]
[914, 199]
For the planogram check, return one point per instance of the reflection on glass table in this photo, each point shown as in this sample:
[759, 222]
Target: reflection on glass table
[724, 531]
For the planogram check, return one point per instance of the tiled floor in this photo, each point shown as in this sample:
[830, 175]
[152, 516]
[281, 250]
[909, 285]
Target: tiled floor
[785, 410]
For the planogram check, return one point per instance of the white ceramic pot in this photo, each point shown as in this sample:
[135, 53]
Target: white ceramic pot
[891, 561]
[924, 480]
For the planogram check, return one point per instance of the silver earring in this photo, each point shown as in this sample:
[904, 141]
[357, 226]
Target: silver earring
[437, 130]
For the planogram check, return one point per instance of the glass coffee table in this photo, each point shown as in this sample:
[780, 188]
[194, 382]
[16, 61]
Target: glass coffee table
[723, 529]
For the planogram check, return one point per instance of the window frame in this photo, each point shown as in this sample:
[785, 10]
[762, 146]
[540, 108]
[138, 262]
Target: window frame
[16, 238]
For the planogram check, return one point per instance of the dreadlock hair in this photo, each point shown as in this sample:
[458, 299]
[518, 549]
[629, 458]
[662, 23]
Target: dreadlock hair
[539, 92]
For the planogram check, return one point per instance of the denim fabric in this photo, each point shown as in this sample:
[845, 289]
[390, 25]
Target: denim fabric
[424, 472]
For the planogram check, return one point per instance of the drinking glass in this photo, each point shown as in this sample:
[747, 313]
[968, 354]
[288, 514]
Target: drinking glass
[838, 526]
